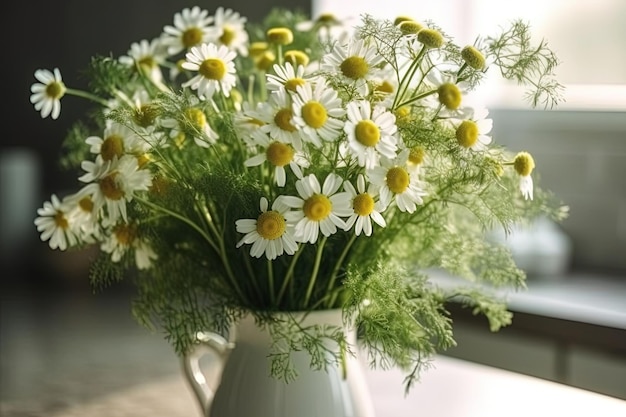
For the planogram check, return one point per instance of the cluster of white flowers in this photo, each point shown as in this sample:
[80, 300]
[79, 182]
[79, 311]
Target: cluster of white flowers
[341, 109]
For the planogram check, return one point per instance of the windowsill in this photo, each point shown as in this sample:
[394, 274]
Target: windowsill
[576, 97]
[579, 297]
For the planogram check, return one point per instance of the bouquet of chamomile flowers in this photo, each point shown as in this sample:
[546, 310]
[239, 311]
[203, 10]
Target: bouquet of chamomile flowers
[231, 167]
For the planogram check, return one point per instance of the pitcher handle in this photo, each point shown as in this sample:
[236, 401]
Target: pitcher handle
[204, 382]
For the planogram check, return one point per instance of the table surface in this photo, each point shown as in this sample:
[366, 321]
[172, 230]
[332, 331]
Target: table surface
[451, 388]
[66, 356]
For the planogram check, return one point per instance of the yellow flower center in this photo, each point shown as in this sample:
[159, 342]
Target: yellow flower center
[385, 87]
[297, 58]
[473, 57]
[317, 207]
[256, 49]
[363, 204]
[314, 114]
[271, 225]
[112, 146]
[110, 188]
[416, 155]
[283, 119]
[399, 19]
[55, 90]
[228, 35]
[213, 69]
[397, 180]
[354, 67]
[524, 164]
[125, 234]
[467, 133]
[145, 115]
[143, 159]
[196, 117]
[280, 36]
[449, 95]
[293, 83]
[403, 114]
[86, 204]
[279, 154]
[61, 221]
[147, 62]
[431, 38]
[192, 37]
[327, 18]
[367, 133]
[410, 27]
[265, 61]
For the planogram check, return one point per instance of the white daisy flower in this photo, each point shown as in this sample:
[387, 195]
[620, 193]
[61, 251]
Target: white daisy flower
[54, 224]
[215, 67]
[247, 125]
[147, 57]
[370, 133]
[365, 207]
[47, 93]
[122, 238]
[396, 183]
[276, 114]
[279, 155]
[117, 140]
[524, 165]
[270, 233]
[113, 183]
[84, 217]
[449, 94]
[286, 77]
[318, 208]
[355, 63]
[231, 31]
[472, 132]
[317, 113]
[192, 27]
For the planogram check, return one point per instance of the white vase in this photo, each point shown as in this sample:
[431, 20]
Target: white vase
[236, 380]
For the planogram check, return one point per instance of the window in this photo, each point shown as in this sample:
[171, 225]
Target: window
[588, 36]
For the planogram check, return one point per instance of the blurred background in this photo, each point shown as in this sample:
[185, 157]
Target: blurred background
[570, 327]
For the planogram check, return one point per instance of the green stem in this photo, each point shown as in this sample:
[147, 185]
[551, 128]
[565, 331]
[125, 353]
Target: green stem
[408, 76]
[338, 265]
[181, 218]
[289, 275]
[316, 268]
[270, 282]
[88, 96]
[417, 97]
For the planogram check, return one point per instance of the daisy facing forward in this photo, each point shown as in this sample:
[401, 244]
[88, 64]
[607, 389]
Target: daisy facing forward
[317, 112]
[269, 234]
[215, 67]
[370, 134]
[192, 27]
[318, 208]
[47, 93]
[54, 224]
[397, 182]
[472, 133]
[365, 208]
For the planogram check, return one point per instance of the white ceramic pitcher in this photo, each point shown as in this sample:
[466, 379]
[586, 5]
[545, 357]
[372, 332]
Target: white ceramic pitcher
[236, 380]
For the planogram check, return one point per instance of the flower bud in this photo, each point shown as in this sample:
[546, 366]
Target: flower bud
[410, 27]
[473, 57]
[297, 58]
[524, 164]
[431, 38]
[280, 36]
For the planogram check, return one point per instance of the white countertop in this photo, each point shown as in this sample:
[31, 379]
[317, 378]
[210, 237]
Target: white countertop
[452, 388]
